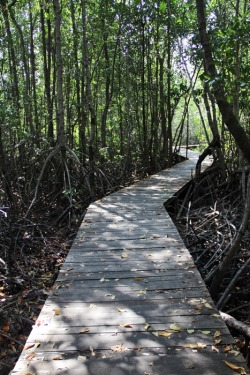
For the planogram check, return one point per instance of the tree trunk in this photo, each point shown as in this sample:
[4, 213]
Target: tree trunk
[241, 138]
[88, 97]
[47, 74]
[59, 76]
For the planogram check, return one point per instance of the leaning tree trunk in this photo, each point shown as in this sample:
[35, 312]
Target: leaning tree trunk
[230, 119]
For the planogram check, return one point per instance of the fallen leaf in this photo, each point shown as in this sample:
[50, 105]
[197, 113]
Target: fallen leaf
[84, 330]
[6, 326]
[126, 325]
[155, 334]
[142, 292]
[198, 307]
[208, 306]
[138, 278]
[214, 349]
[174, 327]
[236, 368]
[92, 351]
[29, 346]
[57, 311]
[112, 296]
[227, 349]
[198, 345]
[217, 333]
[103, 280]
[57, 358]
[30, 356]
[124, 255]
[217, 341]
[118, 348]
[147, 326]
[120, 309]
[32, 345]
[205, 332]
[190, 331]
[165, 333]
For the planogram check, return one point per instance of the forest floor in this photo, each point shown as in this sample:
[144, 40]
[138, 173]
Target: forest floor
[39, 247]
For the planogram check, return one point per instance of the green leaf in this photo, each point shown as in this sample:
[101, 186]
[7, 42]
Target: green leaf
[205, 332]
[163, 6]
[174, 327]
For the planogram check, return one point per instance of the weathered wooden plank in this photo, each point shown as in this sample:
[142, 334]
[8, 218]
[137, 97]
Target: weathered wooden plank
[103, 312]
[131, 266]
[90, 295]
[129, 269]
[170, 361]
[127, 278]
[126, 235]
[211, 323]
[164, 242]
[132, 340]
[140, 226]
[159, 284]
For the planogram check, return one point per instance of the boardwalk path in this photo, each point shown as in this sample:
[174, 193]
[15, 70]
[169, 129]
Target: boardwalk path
[128, 299]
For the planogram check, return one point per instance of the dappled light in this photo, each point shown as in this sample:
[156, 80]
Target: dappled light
[128, 298]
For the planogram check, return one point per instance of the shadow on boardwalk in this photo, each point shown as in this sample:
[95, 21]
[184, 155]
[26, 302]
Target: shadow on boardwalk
[128, 299]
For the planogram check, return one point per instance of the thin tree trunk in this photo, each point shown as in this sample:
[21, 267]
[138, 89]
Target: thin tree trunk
[93, 125]
[47, 74]
[59, 76]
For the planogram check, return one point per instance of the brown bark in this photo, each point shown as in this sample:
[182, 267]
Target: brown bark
[230, 119]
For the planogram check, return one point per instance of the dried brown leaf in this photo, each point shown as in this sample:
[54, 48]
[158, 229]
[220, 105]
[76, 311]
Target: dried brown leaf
[119, 348]
[57, 311]
[57, 358]
[217, 333]
[236, 368]
[165, 333]
[126, 325]
[198, 345]
[214, 349]
[84, 330]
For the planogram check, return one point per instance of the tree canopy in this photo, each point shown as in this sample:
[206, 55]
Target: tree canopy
[120, 84]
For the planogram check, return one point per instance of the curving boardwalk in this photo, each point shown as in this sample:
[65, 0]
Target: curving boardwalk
[128, 299]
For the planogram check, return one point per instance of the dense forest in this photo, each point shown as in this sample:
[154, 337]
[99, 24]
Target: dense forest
[97, 94]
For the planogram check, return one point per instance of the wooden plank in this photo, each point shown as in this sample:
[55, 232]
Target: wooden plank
[127, 278]
[90, 295]
[137, 362]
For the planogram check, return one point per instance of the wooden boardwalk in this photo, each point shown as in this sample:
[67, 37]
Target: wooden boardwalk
[128, 299]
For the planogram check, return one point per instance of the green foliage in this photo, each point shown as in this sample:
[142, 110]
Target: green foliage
[126, 40]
